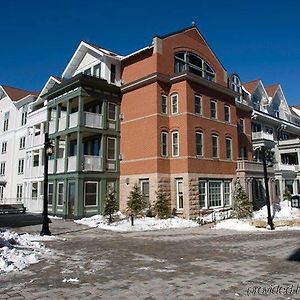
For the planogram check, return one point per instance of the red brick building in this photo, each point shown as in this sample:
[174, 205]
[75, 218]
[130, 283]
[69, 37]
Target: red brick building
[183, 127]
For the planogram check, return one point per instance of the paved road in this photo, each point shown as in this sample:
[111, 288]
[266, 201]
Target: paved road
[198, 263]
[19, 220]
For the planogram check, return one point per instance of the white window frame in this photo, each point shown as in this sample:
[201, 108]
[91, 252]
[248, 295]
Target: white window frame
[229, 113]
[21, 164]
[198, 132]
[5, 121]
[57, 193]
[230, 193]
[4, 149]
[178, 181]
[174, 96]
[19, 192]
[99, 68]
[24, 115]
[164, 100]
[242, 125]
[228, 139]
[212, 101]
[212, 147]
[97, 184]
[115, 150]
[221, 193]
[142, 182]
[50, 183]
[1, 192]
[205, 193]
[115, 117]
[166, 134]
[200, 104]
[174, 133]
[2, 168]
[22, 144]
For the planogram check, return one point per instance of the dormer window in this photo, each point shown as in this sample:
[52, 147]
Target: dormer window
[186, 61]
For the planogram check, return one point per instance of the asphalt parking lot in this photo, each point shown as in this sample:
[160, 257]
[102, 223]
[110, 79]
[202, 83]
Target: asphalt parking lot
[195, 263]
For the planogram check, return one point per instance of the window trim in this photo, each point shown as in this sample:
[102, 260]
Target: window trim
[5, 148]
[221, 193]
[228, 139]
[198, 132]
[57, 193]
[2, 163]
[173, 133]
[50, 183]
[115, 150]
[19, 191]
[212, 147]
[108, 117]
[177, 104]
[84, 193]
[22, 143]
[229, 113]
[242, 127]
[21, 170]
[177, 195]
[165, 97]
[142, 181]
[200, 98]
[161, 143]
[216, 109]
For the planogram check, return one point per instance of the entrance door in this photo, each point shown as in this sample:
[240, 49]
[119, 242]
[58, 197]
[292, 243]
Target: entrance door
[71, 199]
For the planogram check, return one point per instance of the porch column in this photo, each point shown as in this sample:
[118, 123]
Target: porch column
[68, 113]
[66, 151]
[56, 150]
[79, 160]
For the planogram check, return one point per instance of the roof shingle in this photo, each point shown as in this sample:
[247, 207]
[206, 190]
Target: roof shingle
[16, 94]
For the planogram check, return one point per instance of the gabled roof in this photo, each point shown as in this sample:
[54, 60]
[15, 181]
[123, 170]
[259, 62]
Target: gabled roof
[102, 49]
[193, 27]
[272, 89]
[251, 85]
[16, 94]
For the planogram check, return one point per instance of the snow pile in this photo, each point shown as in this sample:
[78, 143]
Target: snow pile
[140, 224]
[236, 224]
[281, 211]
[19, 251]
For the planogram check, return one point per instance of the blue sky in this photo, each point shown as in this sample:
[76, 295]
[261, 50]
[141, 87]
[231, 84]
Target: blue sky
[257, 39]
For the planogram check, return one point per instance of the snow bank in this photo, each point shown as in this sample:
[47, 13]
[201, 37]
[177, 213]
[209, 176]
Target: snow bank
[281, 211]
[140, 224]
[19, 251]
[236, 224]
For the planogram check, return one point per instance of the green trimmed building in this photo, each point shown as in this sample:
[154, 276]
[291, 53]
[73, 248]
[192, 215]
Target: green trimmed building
[84, 127]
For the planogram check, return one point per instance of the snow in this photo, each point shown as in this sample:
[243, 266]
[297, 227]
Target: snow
[71, 280]
[55, 217]
[236, 224]
[281, 211]
[140, 224]
[18, 251]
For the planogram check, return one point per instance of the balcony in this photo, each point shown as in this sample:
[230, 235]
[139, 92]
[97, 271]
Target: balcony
[72, 163]
[62, 123]
[37, 171]
[251, 166]
[286, 167]
[60, 168]
[92, 163]
[92, 120]
[52, 126]
[73, 120]
[50, 166]
[262, 136]
[34, 141]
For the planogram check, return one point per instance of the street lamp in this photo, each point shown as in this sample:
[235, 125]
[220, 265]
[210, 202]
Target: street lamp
[48, 151]
[264, 160]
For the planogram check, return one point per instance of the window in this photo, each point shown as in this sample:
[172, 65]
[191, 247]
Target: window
[186, 61]
[269, 130]
[242, 125]
[164, 144]
[213, 109]
[179, 194]
[144, 184]
[174, 104]
[5, 122]
[256, 127]
[215, 146]
[175, 143]
[21, 166]
[228, 148]
[34, 192]
[202, 194]
[236, 86]
[24, 115]
[97, 70]
[88, 71]
[164, 104]
[112, 73]
[243, 153]
[2, 168]
[36, 158]
[22, 142]
[112, 110]
[60, 193]
[19, 192]
[227, 193]
[227, 113]
[214, 194]
[199, 143]
[198, 105]
[111, 148]
[50, 193]
[4, 147]
[1, 192]
[90, 193]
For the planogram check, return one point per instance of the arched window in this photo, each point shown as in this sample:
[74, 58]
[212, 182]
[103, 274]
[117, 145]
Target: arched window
[187, 61]
[236, 86]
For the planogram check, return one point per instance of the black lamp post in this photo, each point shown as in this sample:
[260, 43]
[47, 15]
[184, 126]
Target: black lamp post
[264, 160]
[48, 150]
